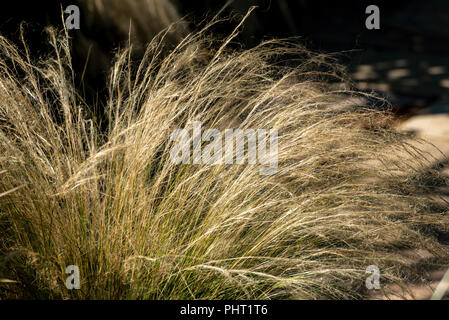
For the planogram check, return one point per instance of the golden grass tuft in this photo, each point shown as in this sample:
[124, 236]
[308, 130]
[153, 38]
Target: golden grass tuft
[349, 191]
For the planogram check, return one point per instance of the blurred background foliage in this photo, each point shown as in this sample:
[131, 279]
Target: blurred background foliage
[406, 60]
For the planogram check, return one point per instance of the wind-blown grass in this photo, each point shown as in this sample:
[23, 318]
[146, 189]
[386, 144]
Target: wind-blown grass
[138, 226]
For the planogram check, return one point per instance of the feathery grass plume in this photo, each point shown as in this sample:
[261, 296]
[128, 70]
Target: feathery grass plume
[107, 24]
[349, 192]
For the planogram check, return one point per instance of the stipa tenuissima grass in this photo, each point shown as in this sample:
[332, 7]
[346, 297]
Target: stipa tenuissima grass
[349, 192]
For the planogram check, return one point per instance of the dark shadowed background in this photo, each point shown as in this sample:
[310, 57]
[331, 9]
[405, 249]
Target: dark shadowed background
[406, 60]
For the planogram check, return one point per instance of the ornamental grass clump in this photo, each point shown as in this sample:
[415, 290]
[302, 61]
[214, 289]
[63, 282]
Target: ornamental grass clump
[348, 192]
